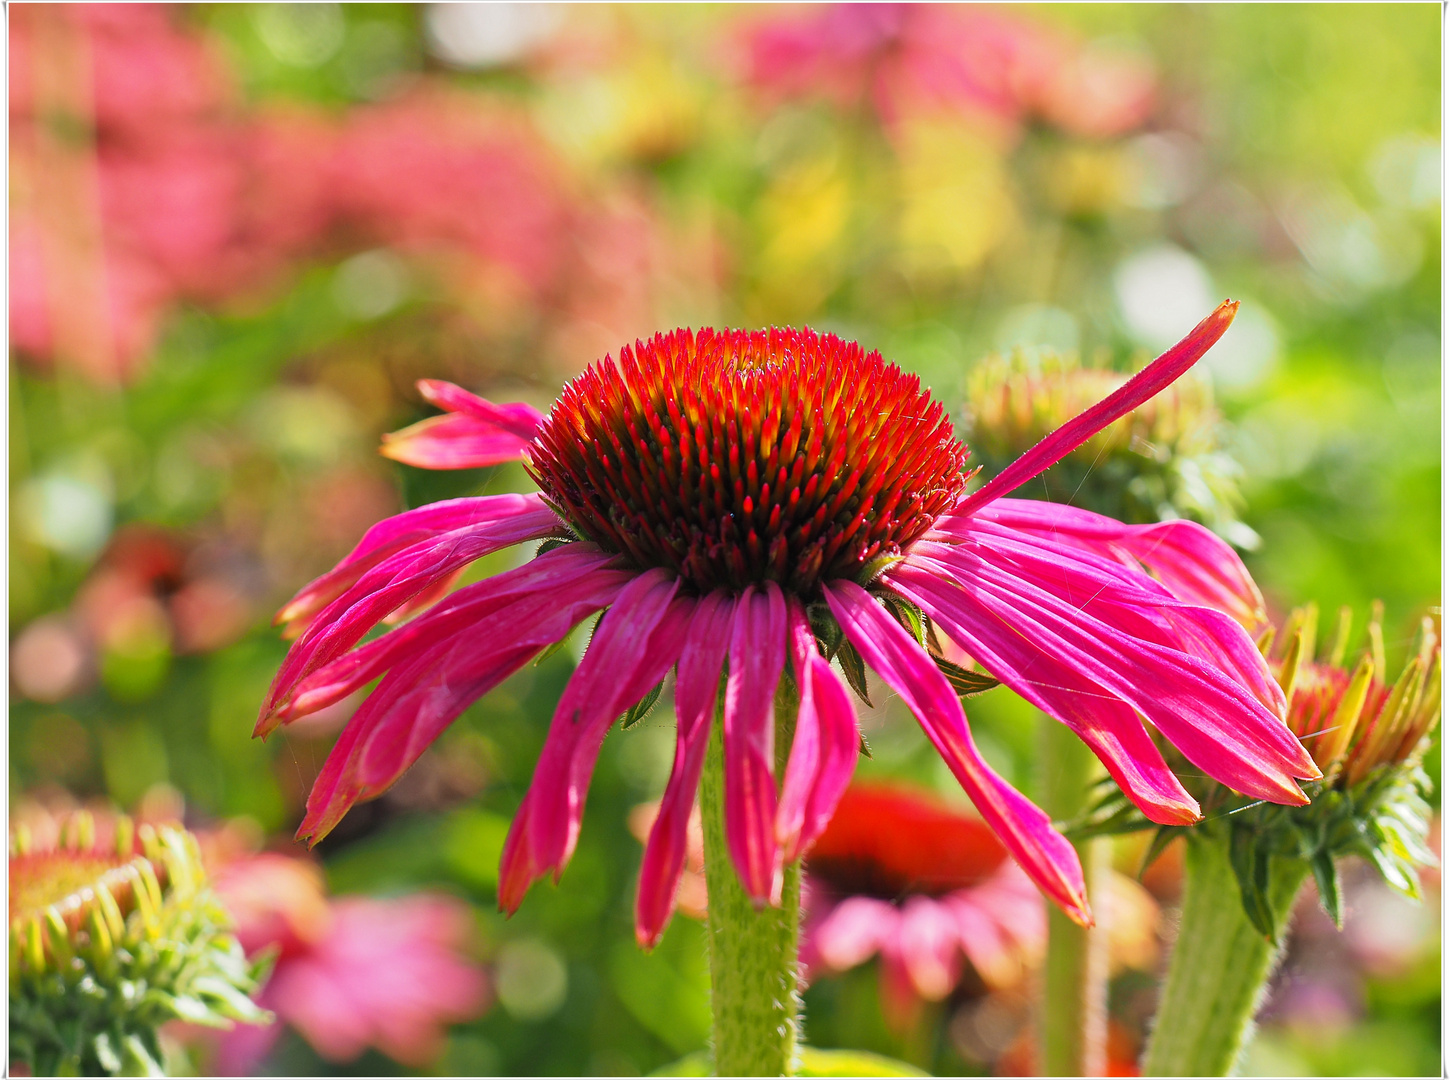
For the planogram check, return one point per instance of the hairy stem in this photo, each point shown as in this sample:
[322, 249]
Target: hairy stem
[754, 978]
[1075, 976]
[1220, 963]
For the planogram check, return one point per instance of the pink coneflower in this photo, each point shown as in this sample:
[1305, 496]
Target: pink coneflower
[925, 886]
[733, 499]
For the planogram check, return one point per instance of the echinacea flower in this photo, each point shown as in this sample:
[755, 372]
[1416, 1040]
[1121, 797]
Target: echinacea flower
[925, 886]
[352, 972]
[733, 499]
[113, 933]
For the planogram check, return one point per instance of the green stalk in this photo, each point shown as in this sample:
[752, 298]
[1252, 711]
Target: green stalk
[1220, 964]
[754, 976]
[1075, 976]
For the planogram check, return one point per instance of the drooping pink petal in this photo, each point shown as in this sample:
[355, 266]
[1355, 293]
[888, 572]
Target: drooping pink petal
[903, 665]
[854, 931]
[702, 659]
[927, 944]
[1125, 597]
[437, 671]
[1195, 565]
[577, 571]
[530, 517]
[1106, 723]
[1214, 721]
[1142, 386]
[635, 645]
[757, 658]
[474, 433]
[824, 750]
[385, 587]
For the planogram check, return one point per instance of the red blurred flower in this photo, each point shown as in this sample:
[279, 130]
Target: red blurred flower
[350, 973]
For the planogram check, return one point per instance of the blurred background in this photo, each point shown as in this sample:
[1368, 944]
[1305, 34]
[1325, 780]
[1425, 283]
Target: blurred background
[238, 234]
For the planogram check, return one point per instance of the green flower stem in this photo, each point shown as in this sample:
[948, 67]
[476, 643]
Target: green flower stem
[754, 978]
[1075, 977]
[1220, 963]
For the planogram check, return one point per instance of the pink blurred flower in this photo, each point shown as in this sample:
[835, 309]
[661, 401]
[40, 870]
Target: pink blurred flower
[993, 67]
[897, 873]
[437, 170]
[350, 973]
[706, 489]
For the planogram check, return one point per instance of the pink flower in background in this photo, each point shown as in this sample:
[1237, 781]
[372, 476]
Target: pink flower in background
[436, 170]
[906, 58]
[350, 973]
[735, 495]
[926, 887]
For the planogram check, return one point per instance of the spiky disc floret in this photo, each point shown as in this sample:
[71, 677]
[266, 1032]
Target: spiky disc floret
[733, 457]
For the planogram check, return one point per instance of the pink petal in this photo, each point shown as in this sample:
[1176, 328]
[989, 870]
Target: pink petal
[1124, 597]
[1195, 565]
[854, 931]
[927, 943]
[1215, 722]
[430, 686]
[385, 587]
[1142, 386]
[823, 753]
[576, 571]
[757, 657]
[517, 418]
[474, 433]
[391, 535]
[904, 666]
[1107, 724]
[453, 441]
[702, 659]
[635, 645]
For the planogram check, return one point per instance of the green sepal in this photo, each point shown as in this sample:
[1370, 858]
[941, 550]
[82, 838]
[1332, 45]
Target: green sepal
[641, 708]
[1326, 876]
[854, 669]
[965, 683]
[908, 615]
[1165, 835]
[1251, 866]
[553, 543]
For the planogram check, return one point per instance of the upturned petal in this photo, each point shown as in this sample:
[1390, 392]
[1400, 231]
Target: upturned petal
[474, 433]
[1142, 386]
[902, 664]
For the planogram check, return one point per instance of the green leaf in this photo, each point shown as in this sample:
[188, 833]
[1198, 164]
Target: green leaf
[855, 670]
[852, 1063]
[1326, 876]
[641, 708]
